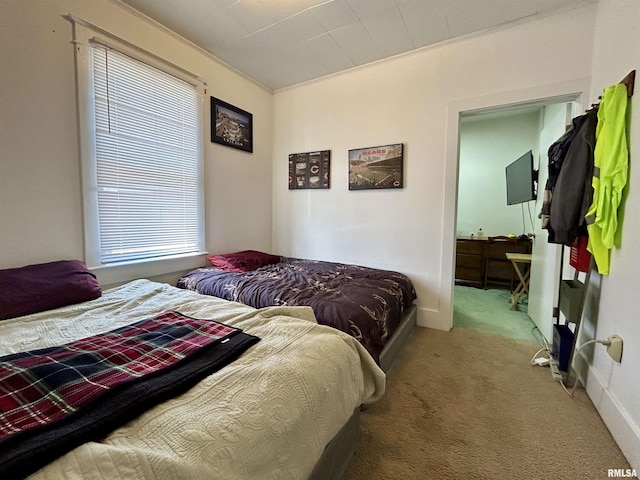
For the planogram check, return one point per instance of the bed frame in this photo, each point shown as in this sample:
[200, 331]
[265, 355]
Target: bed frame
[393, 348]
[338, 453]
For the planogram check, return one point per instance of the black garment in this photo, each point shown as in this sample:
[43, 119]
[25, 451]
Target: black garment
[572, 193]
[556, 153]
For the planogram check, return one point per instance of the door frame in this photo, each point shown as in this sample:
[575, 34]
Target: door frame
[575, 90]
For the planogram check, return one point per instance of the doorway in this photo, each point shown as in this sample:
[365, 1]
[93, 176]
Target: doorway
[552, 114]
[489, 141]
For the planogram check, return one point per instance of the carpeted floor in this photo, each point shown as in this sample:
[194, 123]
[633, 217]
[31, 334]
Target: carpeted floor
[489, 311]
[467, 404]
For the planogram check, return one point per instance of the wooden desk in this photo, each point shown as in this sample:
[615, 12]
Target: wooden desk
[478, 261]
[523, 287]
[470, 260]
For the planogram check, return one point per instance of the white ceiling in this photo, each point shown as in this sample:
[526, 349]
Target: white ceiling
[280, 43]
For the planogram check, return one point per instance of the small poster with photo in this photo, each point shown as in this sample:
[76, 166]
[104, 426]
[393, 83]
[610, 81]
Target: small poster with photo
[231, 126]
[376, 167]
[309, 170]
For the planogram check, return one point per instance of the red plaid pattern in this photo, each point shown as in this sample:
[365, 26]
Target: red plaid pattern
[42, 386]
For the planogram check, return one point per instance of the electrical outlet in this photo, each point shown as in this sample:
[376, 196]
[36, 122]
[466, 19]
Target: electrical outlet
[614, 349]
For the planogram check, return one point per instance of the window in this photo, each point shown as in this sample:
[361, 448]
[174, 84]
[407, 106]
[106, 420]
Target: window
[144, 185]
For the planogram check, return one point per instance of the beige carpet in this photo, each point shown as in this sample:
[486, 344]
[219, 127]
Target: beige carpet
[468, 405]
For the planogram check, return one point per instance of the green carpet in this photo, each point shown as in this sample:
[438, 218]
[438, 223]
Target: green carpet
[488, 311]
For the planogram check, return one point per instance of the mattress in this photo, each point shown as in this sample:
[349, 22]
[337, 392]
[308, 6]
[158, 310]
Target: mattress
[269, 414]
[364, 302]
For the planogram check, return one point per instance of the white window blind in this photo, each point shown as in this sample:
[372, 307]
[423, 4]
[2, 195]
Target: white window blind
[147, 159]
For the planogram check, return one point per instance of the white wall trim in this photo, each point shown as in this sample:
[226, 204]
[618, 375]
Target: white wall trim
[84, 34]
[625, 432]
[444, 43]
[430, 318]
[129, 9]
[567, 91]
[116, 274]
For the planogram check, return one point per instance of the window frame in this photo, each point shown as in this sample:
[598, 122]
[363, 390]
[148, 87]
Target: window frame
[118, 272]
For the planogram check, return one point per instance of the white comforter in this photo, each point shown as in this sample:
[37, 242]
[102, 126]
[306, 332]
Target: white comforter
[268, 415]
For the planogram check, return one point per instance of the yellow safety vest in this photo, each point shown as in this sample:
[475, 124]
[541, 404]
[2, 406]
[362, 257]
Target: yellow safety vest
[610, 173]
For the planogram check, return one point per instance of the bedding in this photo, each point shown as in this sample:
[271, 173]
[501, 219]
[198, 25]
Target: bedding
[267, 414]
[365, 302]
[40, 287]
[56, 398]
[244, 261]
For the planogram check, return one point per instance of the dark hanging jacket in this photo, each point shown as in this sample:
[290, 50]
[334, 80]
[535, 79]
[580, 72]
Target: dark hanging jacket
[557, 152]
[573, 191]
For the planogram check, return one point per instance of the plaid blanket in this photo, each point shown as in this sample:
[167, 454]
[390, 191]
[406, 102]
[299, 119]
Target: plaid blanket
[56, 398]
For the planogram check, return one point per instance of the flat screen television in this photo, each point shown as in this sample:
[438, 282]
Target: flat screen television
[521, 180]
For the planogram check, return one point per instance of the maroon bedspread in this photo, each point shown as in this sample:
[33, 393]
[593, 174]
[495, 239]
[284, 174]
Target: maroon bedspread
[367, 303]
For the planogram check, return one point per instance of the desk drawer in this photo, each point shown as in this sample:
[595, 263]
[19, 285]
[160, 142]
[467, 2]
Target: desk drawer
[469, 274]
[473, 247]
[464, 260]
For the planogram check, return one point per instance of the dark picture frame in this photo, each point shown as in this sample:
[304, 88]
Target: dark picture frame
[376, 167]
[231, 126]
[310, 170]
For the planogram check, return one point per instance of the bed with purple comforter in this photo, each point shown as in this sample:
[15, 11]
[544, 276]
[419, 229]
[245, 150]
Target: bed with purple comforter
[365, 302]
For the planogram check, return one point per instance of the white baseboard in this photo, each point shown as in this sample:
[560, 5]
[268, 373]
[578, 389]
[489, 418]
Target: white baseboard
[625, 432]
[622, 427]
[432, 319]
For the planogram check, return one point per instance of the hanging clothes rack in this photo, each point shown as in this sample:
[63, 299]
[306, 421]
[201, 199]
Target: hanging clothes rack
[573, 293]
[629, 81]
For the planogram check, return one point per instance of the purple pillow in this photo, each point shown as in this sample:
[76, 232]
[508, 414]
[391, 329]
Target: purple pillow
[244, 261]
[36, 288]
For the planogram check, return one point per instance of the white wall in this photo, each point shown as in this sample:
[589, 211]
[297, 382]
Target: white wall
[488, 143]
[545, 265]
[40, 191]
[413, 99]
[615, 388]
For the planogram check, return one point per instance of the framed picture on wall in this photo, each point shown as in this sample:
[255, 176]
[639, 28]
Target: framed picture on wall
[376, 167]
[231, 126]
[309, 170]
